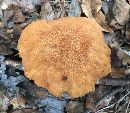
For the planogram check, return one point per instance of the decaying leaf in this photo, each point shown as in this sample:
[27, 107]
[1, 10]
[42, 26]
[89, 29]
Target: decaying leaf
[8, 13]
[116, 62]
[18, 15]
[91, 7]
[75, 9]
[105, 6]
[117, 72]
[74, 107]
[123, 56]
[1, 13]
[121, 11]
[19, 100]
[4, 102]
[5, 44]
[100, 18]
[127, 32]
[25, 111]
[13, 14]
[47, 12]
[127, 71]
[28, 5]
[52, 105]
[3, 6]
[111, 40]
[115, 24]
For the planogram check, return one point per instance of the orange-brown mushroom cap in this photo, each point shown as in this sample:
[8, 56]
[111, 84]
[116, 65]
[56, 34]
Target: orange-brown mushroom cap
[65, 55]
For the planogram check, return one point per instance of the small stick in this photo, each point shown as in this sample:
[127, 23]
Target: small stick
[113, 103]
[114, 82]
[108, 95]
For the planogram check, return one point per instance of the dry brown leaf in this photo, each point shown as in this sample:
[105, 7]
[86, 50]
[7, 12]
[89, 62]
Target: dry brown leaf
[41, 94]
[25, 111]
[19, 100]
[115, 24]
[27, 5]
[123, 56]
[117, 72]
[4, 102]
[47, 12]
[127, 71]
[18, 15]
[111, 40]
[91, 7]
[74, 107]
[121, 11]
[127, 32]
[100, 18]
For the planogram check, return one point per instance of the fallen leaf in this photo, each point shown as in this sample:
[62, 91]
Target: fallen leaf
[116, 62]
[9, 30]
[41, 94]
[1, 13]
[5, 43]
[74, 107]
[115, 24]
[90, 101]
[117, 72]
[16, 32]
[127, 31]
[91, 7]
[8, 13]
[121, 11]
[18, 15]
[127, 52]
[107, 8]
[4, 102]
[19, 100]
[25, 111]
[52, 105]
[100, 18]
[123, 56]
[111, 40]
[75, 9]
[127, 71]
[27, 5]
[4, 6]
[47, 12]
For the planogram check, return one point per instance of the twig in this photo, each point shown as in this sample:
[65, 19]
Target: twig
[108, 95]
[113, 103]
[127, 106]
[15, 105]
[114, 82]
[121, 107]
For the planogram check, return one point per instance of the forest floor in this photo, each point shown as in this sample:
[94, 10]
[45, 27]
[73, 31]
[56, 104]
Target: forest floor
[19, 95]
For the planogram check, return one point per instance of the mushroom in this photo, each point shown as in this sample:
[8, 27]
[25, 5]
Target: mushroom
[65, 55]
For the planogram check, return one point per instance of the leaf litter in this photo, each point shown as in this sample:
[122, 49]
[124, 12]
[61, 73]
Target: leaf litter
[19, 95]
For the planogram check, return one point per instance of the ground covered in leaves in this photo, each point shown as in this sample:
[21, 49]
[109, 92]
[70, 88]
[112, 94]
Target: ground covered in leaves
[19, 95]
